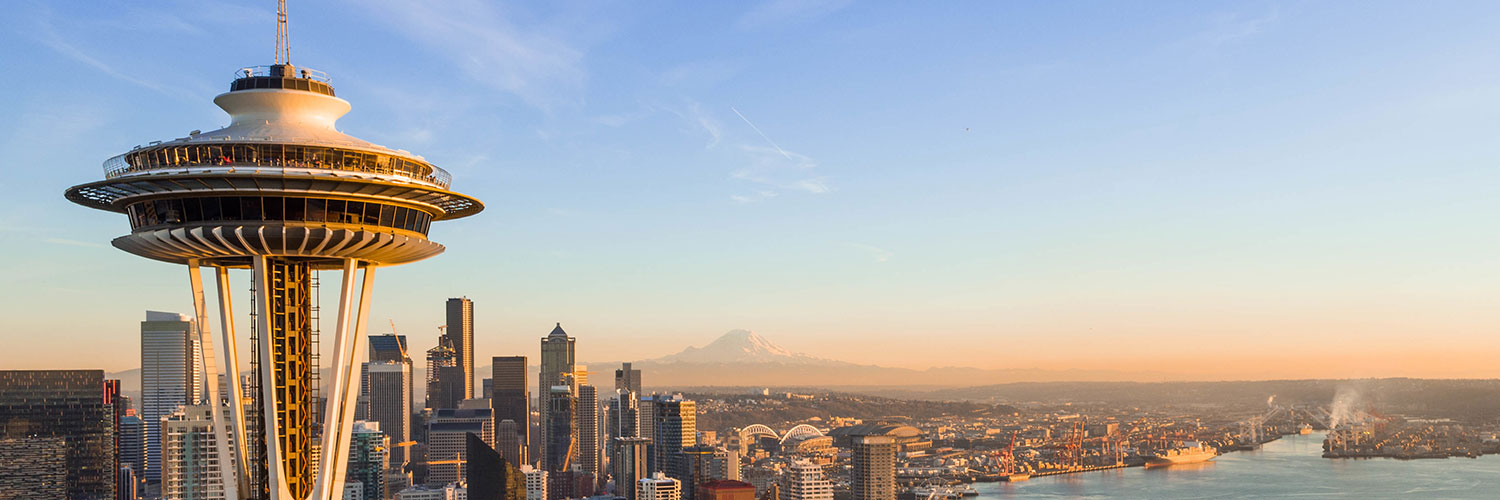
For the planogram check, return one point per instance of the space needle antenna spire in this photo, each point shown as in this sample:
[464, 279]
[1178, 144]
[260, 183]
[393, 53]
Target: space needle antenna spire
[283, 42]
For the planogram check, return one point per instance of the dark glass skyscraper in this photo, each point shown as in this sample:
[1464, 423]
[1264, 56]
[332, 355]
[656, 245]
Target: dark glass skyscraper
[560, 428]
[443, 375]
[676, 422]
[461, 333]
[489, 475]
[47, 412]
[628, 378]
[510, 398]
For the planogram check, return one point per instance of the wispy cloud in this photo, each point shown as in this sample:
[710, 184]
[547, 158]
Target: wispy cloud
[874, 253]
[773, 13]
[540, 69]
[1233, 26]
[75, 243]
[48, 36]
[779, 169]
[699, 120]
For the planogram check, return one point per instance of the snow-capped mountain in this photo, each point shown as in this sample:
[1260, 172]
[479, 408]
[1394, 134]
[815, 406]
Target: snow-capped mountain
[742, 346]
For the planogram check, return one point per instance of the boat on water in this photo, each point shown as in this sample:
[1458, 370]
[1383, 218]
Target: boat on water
[1190, 453]
[935, 492]
[1305, 429]
[965, 490]
[1017, 477]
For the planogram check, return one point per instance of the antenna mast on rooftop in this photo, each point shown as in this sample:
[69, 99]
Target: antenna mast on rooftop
[283, 44]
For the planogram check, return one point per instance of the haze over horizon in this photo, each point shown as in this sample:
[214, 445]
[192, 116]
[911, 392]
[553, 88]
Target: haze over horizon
[1240, 191]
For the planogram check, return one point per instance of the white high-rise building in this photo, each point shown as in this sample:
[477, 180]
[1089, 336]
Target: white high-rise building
[804, 480]
[536, 483]
[171, 377]
[190, 464]
[659, 487]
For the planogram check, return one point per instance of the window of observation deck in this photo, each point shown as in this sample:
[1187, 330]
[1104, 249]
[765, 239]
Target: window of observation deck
[173, 212]
[275, 155]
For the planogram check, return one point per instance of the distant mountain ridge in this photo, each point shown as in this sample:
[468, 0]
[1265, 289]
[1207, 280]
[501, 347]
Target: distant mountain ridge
[744, 358]
[742, 346]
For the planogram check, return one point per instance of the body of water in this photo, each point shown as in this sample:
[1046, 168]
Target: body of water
[1289, 467]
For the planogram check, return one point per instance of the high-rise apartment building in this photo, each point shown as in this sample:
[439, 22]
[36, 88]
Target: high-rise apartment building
[557, 362]
[658, 487]
[561, 432]
[805, 480]
[171, 361]
[190, 464]
[727, 460]
[874, 473]
[628, 379]
[368, 461]
[510, 398]
[588, 430]
[536, 482]
[55, 418]
[461, 333]
[646, 425]
[629, 464]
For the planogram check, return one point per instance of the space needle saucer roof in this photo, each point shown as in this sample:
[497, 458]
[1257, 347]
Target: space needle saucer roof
[280, 167]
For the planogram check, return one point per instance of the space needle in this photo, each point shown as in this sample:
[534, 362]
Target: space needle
[283, 193]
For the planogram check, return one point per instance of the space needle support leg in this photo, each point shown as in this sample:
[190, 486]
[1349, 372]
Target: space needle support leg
[339, 412]
[232, 373]
[275, 464]
[211, 380]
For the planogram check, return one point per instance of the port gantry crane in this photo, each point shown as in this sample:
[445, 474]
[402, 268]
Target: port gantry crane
[1007, 457]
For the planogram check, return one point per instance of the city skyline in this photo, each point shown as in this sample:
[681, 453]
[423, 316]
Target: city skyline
[1246, 191]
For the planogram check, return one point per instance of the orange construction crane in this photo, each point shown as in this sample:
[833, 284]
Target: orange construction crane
[1009, 455]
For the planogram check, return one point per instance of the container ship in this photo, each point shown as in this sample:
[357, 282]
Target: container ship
[1188, 454]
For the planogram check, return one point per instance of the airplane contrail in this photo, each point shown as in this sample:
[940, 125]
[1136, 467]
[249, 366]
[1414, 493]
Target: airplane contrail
[762, 134]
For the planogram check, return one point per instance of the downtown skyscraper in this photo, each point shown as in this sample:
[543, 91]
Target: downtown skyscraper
[171, 376]
[460, 334]
[389, 399]
[444, 384]
[628, 378]
[588, 430]
[874, 474]
[56, 439]
[510, 398]
[676, 423]
[558, 367]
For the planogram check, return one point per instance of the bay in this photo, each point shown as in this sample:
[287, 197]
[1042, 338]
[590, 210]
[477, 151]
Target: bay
[1291, 467]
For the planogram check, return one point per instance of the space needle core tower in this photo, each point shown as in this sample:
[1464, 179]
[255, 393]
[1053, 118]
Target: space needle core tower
[283, 193]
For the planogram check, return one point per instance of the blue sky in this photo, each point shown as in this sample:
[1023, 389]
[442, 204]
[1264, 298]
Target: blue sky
[1243, 187]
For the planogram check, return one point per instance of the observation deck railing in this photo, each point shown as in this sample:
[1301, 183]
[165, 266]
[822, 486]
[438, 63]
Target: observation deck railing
[263, 70]
[178, 156]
